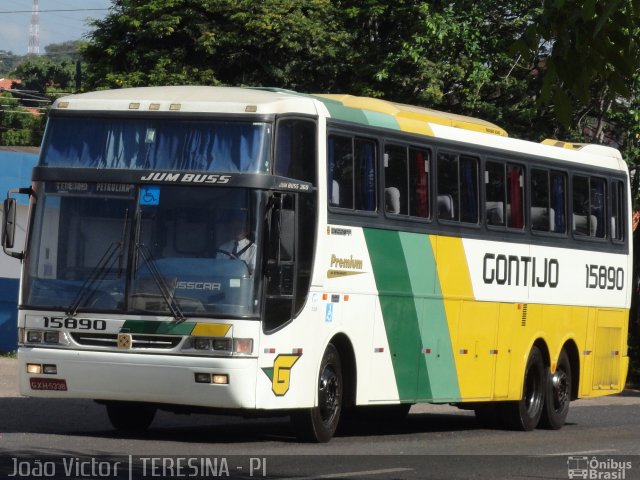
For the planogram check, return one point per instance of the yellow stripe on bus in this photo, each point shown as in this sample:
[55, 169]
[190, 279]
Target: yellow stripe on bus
[210, 330]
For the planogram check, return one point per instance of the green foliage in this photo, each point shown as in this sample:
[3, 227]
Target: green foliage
[41, 74]
[19, 126]
[585, 49]
[273, 42]
[66, 51]
[8, 61]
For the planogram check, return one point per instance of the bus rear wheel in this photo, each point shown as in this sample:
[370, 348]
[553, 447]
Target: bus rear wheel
[319, 424]
[525, 413]
[558, 394]
[130, 417]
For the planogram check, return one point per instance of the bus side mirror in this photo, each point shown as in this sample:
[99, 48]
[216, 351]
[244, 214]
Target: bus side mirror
[9, 222]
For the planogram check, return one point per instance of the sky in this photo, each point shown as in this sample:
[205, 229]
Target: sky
[55, 26]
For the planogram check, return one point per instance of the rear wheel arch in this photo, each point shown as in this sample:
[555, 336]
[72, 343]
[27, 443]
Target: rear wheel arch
[349, 367]
[544, 350]
[571, 349]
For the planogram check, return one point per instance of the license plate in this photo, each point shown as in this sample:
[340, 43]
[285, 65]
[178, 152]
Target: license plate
[48, 384]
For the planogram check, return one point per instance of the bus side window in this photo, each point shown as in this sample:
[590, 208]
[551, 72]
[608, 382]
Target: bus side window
[558, 205]
[468, 189]
[617, 211]
[542, 217]
[457, 188]
[548, 201]
[351, 173]
[340, 171]
[515, 196]
[396, 179]
[598, 205]
[589, 195]
[504, 194]
[495, 193]
[296, 150]
[448, 197]
[419, 161]
[365, 174]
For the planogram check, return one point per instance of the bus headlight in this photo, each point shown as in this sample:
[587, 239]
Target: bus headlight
[51, 337]
[201, 343]
[222, 344]
[34, 336]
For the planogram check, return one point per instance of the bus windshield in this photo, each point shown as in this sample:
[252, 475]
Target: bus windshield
[157, 144]
[165, 250]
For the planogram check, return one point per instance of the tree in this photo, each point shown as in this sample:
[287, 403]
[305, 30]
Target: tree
[18, 125]
[8, 61]
[43, 75]
[69, 51]
[586, 52]
[453, 56]
[273, 42]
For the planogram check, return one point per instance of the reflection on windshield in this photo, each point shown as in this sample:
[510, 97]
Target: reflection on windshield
[186, 250]
[157, 144]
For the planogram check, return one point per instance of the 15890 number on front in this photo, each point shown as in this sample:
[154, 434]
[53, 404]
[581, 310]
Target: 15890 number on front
[71, 323]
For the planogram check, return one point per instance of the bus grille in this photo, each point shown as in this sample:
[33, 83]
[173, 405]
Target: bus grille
[138, 341]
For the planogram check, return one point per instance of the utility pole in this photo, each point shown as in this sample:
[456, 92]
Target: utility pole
[34, 31]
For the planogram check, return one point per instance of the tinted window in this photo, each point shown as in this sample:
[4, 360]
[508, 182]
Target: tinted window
[457, 188]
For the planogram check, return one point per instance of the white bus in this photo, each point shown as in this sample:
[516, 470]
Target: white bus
[264, 251]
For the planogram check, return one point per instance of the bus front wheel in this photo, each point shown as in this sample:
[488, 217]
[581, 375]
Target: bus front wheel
[558, 394]
[525, 413]
[130, 417]
[318, 424]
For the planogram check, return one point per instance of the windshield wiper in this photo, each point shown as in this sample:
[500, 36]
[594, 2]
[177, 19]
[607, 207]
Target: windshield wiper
[168, 297]
[98, 273]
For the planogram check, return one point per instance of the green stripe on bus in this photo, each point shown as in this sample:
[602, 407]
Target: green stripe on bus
[398, 308]
[340, 112]
[160, 328]
[438, 359]
[414, 316]
[377, 119]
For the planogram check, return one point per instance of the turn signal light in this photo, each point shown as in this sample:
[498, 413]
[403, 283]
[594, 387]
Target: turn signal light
[243, 345]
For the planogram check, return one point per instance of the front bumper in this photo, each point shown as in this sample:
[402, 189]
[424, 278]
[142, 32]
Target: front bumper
[166, 379]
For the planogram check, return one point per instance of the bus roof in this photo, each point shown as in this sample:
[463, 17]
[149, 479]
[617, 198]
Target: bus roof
[360, 110]
[410, 118]
[197, 99]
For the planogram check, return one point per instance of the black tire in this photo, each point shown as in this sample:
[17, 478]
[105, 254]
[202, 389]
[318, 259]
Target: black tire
[319, 424]
[130, 417]
[525, 413]
[558, 394]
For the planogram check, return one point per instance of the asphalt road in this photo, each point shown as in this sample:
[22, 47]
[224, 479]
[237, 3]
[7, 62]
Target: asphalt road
[435, 441]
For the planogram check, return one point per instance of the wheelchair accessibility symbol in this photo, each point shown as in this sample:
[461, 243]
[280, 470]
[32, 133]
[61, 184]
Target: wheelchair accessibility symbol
[150, 195]
[328, 318]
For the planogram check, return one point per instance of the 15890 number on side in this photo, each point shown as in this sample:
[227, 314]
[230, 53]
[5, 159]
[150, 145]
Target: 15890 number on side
[603, 277]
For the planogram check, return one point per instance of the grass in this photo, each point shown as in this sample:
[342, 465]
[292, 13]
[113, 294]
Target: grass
[9, 354]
